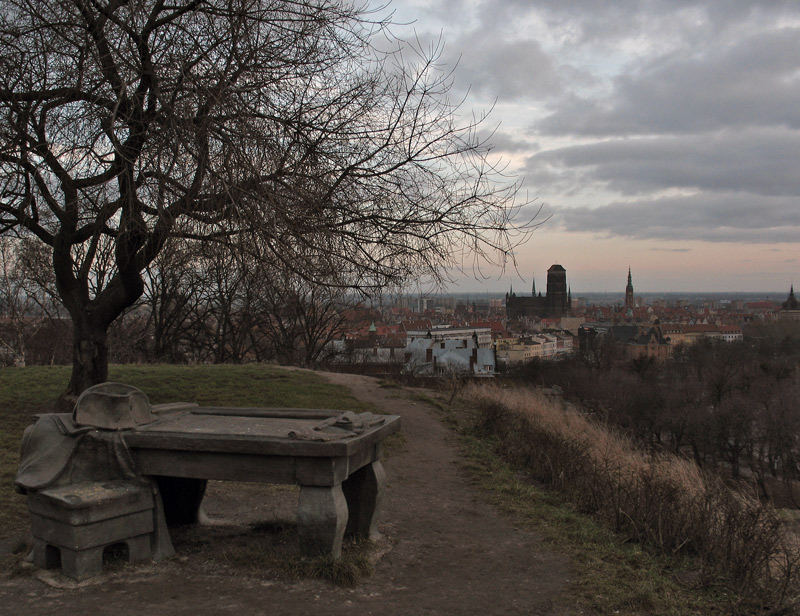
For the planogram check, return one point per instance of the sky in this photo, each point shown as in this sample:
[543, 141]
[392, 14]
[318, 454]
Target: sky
[660, 135]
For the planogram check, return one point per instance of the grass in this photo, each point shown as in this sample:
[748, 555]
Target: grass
[245, 385]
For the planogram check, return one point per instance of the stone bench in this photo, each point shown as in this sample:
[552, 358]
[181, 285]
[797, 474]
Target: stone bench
[72, 525]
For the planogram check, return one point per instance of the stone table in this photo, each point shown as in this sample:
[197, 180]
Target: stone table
[333, 456]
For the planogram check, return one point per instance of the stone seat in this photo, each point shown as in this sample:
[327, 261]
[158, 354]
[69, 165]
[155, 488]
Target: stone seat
[73, 524]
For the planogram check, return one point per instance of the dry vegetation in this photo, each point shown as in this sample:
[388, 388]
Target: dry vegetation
[665, 503]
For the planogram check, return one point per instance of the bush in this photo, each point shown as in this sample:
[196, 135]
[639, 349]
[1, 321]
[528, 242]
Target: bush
[662, 501]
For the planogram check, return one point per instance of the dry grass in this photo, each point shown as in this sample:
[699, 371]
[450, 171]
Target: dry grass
[663, 502]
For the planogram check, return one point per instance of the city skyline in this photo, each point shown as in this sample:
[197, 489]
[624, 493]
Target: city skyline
[656, 135]
[524, 288]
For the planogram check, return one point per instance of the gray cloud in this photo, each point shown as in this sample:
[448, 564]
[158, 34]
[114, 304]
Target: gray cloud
[713, 218]
[509, 70]
[600, 23]
[749, 82]
[504, 142]
[633, 102]
[763, 162]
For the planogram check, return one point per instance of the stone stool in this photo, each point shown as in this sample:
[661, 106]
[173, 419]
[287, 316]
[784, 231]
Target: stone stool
[74, 523]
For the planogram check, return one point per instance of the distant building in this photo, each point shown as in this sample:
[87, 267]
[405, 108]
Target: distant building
[635, 341]
[481, 335]
[547, 345]
[790, 309]
[731, 333]
[427, 356]
[629, 292]
[650, 343]
[571, 324]
[554, 304]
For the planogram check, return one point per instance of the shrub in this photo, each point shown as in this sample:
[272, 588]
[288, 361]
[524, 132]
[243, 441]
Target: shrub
[662, 501]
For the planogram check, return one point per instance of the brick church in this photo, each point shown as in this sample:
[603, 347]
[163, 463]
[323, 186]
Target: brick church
[554, 304]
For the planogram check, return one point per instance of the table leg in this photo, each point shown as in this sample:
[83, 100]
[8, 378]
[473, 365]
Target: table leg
[321, 520]
[161, 541]
[364, 493]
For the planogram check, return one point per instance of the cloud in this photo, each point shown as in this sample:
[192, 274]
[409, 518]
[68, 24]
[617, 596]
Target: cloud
[712, 218]
[759, 161]
[753, 81]
[504, 141]
[672, 120]
[508, 70]
[653, 24]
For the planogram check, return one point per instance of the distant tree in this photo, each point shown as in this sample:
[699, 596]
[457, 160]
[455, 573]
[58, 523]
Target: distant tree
[295, 318]
[221, 314]
[27, 304]
[600, 351]
[172, 293]
[17, 308]
[126, 123]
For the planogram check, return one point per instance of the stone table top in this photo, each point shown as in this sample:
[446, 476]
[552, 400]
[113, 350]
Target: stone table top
[281, 432]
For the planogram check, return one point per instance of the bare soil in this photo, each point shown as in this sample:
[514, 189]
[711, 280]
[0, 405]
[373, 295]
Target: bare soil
[444, 550]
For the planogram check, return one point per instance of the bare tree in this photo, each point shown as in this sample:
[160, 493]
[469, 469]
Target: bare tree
[123, 123]
[27, 305]
[222, 313]
[296, 317]
[172, 292]
[16, 306]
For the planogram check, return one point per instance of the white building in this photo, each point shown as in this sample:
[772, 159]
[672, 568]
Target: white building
[445, 332]
[429, 356]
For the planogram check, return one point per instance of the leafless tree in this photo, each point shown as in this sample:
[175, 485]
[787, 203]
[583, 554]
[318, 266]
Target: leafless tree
[27, 305]
[222, 314]
[295, 317]
[15, 306]
[170, 299]
[125, 123]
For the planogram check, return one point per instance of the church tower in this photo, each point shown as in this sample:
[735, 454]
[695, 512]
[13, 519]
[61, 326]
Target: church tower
[556, 291]
[629, 291]
[791, 302]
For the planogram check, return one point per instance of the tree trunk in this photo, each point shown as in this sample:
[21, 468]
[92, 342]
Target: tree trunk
[89, 355]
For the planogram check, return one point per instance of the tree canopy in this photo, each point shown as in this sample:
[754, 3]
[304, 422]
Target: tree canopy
[272, 124]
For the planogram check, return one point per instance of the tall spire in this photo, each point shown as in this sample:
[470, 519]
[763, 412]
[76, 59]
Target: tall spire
[629, 291]
[791, 302]
[533, 288]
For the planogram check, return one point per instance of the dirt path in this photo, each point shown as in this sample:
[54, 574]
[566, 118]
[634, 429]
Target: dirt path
[450, 553]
